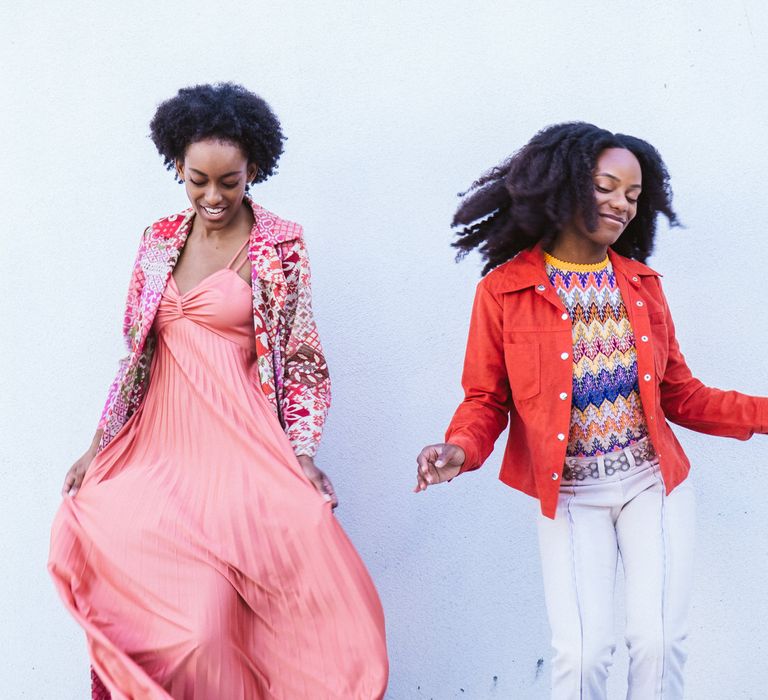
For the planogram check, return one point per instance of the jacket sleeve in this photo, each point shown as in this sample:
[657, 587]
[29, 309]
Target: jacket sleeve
[118, 406]
[306, 395]
[688, 402]
[484, 412]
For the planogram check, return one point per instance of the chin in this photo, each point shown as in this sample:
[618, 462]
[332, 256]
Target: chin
[606, 238]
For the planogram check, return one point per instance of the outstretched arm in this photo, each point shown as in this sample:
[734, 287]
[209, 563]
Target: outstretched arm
[688, 402]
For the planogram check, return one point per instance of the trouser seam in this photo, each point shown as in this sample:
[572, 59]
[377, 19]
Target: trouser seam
[663, 588]
[571, 529]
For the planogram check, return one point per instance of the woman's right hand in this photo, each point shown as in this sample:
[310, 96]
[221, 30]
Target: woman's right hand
[76, 472]
[438, 463]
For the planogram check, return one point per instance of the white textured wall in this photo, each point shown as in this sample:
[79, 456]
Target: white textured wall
[391, 108]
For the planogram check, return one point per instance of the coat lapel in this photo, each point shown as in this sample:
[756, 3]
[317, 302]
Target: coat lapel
[266, 265]
[157, 263]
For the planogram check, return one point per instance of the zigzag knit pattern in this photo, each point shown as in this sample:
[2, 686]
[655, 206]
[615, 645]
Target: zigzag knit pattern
[606, 412]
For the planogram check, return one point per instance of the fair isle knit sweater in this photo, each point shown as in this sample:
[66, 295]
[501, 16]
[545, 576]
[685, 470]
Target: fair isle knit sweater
[606, 413]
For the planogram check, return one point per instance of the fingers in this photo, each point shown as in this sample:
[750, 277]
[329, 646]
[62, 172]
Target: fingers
[73, 479]
[425, 455]
[429, 460]
[437, 463]
[324, 487]
[72, 483]
[69, 481]
[330, 491]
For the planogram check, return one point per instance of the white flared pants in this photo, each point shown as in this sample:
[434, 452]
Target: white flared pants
[597, 519]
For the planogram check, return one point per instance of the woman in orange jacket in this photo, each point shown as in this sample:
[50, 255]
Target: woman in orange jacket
[572, 344]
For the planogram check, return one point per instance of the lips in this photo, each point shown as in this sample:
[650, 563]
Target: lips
[213, 212]
[617, 219]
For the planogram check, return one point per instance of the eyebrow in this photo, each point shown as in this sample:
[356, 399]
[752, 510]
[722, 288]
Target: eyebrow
[613, 177]
[200, 172]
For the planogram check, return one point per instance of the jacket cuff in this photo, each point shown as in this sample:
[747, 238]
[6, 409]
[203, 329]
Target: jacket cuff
[763, 413]
[304, 449]
[471, 458]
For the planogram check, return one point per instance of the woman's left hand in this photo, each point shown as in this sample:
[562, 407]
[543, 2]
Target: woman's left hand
[319, 479]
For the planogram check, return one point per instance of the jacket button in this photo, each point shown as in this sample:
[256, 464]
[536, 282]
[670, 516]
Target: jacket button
[634, 279]
[540, 288]
[565, 317]
[639, 303]
[555, 476]
[564, 356]
[647, 377]
[560, 437]
[644, 338]
[564, 396]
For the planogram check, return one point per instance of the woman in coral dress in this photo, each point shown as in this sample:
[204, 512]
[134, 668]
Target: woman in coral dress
[197, 546]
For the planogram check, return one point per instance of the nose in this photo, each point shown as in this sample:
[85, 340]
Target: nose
[619, 202]
[212, 195]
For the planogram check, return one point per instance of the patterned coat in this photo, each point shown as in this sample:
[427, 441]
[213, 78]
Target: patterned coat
[291, 367]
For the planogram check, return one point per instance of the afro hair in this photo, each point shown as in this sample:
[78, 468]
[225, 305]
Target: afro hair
[223, 111]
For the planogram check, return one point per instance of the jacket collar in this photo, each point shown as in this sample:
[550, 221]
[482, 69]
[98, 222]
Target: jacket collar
[633, 270]
[527, 269]
[267, 228]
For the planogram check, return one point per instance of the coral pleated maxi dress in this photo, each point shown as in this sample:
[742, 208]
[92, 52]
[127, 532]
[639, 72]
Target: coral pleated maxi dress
[201, 562]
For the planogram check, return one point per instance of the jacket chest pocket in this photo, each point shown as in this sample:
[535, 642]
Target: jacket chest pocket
[660, 342]
[523, 361]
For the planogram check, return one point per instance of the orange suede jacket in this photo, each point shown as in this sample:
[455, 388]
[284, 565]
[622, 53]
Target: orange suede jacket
[519, 369]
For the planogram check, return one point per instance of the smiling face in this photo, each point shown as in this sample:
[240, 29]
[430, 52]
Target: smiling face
[215, 174]
[617, 181]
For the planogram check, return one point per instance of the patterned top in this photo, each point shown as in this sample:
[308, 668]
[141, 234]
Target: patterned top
[606, 412]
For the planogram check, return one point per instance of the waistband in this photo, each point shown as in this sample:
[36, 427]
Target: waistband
[607, 465]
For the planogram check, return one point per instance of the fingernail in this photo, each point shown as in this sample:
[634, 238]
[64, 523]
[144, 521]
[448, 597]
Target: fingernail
[439, 463]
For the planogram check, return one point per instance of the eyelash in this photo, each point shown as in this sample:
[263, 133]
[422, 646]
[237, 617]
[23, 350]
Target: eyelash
[200, 184]
[605, 191]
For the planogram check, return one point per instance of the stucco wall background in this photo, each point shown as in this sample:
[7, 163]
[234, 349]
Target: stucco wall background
[391, 108]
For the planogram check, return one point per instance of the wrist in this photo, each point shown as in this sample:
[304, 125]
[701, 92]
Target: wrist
[94, 447]
[465, 449]
[460, 456]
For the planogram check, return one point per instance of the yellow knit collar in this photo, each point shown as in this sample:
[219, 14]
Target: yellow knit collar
[575, 267]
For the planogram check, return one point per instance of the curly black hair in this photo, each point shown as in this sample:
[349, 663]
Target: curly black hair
[541, 188]
[224, 111]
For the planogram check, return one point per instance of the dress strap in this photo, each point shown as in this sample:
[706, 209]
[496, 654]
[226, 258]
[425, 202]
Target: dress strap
[237, 255]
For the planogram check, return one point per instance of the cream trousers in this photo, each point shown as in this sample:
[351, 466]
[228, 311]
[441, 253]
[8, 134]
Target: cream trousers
[598, 518]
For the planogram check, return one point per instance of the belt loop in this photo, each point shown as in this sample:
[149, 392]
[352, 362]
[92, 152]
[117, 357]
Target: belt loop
[601, 467]
[630, 457]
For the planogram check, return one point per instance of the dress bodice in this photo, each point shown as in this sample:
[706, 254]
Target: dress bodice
[221, 303]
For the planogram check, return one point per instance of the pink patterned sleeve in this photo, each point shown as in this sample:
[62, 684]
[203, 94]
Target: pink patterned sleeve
[306, 395]
[113, 408]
